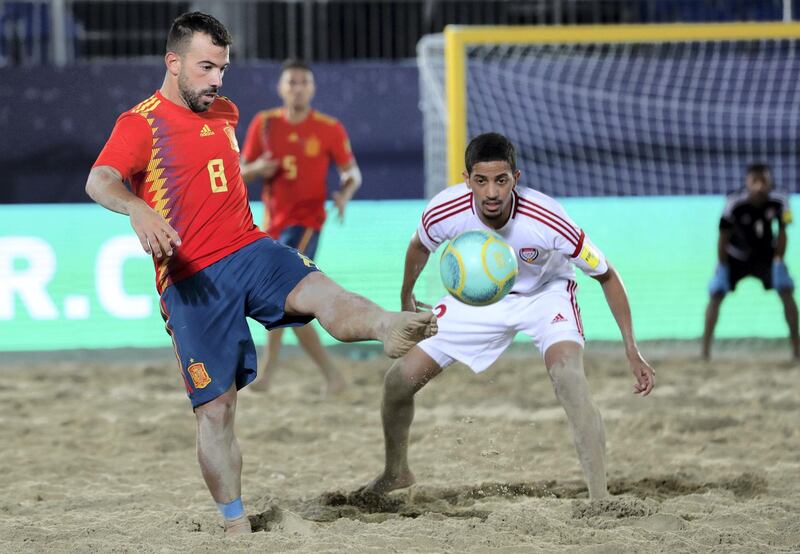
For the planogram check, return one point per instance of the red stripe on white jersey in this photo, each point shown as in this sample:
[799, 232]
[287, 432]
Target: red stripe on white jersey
[442, 218]
[572, 240]
[579, 245]
[576, 311]
[427, 216]
[552, 216]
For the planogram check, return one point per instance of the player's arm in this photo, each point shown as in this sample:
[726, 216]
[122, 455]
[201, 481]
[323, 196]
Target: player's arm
[349, 173]
[255, 161]
[781, 280]
[264, 167]
[417, 256]
[722, 246]
[617, 299]
[780, 242]
[105, 186]
[349, 183]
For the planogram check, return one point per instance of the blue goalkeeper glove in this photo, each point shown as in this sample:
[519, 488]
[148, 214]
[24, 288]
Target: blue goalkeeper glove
[780, 276]
[721, 281]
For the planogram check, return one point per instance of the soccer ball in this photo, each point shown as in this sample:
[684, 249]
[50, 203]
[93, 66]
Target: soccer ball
[478, 267]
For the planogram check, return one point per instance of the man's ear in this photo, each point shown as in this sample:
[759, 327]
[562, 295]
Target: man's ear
[173, 62]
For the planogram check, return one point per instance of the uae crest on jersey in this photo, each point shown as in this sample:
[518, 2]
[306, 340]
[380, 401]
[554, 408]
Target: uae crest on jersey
[528, 254]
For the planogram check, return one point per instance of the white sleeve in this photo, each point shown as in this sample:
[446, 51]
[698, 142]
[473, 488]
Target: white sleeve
[439, 220]
[567, 237]
[429, 236]
[590, 259]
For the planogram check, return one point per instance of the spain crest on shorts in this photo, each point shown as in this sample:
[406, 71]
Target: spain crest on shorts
[199, 375]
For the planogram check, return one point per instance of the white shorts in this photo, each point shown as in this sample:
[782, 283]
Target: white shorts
[476, 336]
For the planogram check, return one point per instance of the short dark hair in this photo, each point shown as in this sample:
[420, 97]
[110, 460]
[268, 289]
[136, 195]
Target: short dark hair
[187, 24]
[490, 147]
[295, 63]
[759, 168]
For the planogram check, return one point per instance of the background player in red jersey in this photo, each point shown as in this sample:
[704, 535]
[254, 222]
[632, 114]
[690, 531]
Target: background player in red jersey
[215, 268]
[747, 246]
[291, 149]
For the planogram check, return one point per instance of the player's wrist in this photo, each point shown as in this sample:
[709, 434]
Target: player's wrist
[135, 206]
[632, 352]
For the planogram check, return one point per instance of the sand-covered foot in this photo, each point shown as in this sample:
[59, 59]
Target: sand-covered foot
[386, 482]
[334, 386]
[405, 329]
[263, 382]
[238, 526]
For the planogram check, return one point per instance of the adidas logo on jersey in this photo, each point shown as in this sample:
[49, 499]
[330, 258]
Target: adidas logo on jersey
[558, 319]
[206, 131]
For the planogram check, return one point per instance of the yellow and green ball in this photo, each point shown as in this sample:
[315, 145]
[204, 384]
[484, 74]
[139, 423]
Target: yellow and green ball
[478, 267]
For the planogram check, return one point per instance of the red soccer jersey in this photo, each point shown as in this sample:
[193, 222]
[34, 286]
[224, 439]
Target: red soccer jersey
[296, 193]
[185, 165]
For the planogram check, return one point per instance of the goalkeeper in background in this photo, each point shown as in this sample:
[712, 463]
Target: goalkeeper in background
[748, 245]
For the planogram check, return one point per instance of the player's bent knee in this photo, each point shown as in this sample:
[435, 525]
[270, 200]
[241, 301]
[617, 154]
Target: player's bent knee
[565, 367]
[398, 382]
[564, 354]
[410, 373]
[218, 412]
[312, 293]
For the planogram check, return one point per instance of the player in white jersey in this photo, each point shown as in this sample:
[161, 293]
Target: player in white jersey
[541, 304]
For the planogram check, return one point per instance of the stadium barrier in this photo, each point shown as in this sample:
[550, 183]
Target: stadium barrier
[74, 276]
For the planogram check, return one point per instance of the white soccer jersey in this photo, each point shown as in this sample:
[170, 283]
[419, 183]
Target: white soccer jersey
[546, 240]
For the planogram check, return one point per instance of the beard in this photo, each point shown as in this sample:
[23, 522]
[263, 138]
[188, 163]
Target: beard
[193, 98]
[493, 215]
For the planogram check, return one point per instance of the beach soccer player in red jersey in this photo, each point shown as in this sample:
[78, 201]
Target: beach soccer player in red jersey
[291, 149]
[214, 267]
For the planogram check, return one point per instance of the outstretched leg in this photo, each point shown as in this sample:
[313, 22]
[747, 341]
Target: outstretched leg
[408, 375]
[350, 317]
[790, 312]
[564, 361]
[219, 456]
[712, 314]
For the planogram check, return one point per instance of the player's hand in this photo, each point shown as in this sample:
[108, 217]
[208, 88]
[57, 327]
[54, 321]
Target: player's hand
[411, 304]
[265, 166]
[644, 373]
[156, 236]
[340, 200]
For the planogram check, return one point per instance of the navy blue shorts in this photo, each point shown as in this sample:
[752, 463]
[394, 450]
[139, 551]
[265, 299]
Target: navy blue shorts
[206, 314]
[304, 239]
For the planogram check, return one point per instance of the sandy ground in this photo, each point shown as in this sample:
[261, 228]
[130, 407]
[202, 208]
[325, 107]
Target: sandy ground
[98, 455]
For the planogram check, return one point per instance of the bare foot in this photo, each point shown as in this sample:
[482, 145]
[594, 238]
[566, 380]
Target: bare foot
[384, 483]
[260, 385]
[334, 385]
[405, 329]
[263, 381]
[238, 526]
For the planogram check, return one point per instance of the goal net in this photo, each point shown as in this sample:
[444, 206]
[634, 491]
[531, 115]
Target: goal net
[617, 111]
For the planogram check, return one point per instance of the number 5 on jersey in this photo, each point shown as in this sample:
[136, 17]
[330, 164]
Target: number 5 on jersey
[289, 164]
[216, 173]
